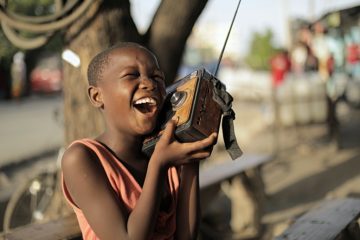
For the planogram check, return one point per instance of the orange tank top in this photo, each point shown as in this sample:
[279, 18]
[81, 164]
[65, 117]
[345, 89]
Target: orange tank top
[128, 191]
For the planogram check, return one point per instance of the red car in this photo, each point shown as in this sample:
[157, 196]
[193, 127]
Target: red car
[46, 80]
[47, 77]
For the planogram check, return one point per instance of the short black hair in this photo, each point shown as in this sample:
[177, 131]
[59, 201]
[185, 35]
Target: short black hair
[99, 62]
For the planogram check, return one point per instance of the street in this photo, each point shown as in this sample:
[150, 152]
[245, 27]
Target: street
[31, 135]
[29, 128]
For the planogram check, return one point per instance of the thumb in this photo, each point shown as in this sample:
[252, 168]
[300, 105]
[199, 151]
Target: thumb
[168, 133]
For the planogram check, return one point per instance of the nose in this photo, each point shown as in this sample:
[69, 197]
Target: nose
[147, 83]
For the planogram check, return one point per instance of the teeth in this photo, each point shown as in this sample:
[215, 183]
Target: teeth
[145, 100]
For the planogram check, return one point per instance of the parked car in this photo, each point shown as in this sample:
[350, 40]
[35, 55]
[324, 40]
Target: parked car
[47, 76]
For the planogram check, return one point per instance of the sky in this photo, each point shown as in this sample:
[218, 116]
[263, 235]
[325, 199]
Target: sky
[253, 15]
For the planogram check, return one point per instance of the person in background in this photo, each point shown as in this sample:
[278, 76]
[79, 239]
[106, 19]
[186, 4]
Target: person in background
[280, 66]
[18, 75]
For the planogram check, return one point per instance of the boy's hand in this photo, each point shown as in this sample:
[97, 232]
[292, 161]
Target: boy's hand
[169, 152]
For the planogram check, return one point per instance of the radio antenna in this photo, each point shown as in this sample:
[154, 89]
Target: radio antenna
[227, 37]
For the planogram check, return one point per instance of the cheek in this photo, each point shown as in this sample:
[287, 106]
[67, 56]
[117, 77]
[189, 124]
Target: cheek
[117, 100]
[119, 93]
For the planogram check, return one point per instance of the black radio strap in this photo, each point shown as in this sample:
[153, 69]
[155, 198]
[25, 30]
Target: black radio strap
[224, 99]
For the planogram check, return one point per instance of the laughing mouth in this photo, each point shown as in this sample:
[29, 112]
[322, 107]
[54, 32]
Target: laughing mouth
[146, 105]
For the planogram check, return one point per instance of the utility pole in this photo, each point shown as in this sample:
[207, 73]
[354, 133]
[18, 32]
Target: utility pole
[288, 41]
[311, 6]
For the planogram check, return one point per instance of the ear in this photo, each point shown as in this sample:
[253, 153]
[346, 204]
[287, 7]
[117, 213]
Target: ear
[95, 96]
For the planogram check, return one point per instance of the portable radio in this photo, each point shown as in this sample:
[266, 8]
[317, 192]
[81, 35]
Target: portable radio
[198, 101]
[192, 100]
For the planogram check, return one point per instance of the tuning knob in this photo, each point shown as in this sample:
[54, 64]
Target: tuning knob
[177, 99]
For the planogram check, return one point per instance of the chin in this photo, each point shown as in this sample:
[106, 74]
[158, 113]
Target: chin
[147, 129]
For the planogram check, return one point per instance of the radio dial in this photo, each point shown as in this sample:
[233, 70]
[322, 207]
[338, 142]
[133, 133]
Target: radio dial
[177, 99]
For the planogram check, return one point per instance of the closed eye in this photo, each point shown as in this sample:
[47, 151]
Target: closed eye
[158, 78]
[132, 74]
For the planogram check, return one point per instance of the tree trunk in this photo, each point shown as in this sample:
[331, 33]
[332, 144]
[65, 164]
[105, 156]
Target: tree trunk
[170, 28]
[102, 28]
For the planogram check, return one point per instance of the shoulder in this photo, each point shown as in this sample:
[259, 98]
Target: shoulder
[83, 174]
[76, 155]
[79, 161]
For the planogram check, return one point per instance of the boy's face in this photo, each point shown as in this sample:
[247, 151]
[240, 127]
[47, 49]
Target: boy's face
[132, 89]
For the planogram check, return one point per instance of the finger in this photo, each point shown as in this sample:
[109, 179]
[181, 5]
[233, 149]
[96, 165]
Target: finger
[169, 129]
[215, 136]
[200, 155]
[202, 144]
[212, 137]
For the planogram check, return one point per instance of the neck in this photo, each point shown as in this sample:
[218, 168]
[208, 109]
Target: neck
[126, 147]
[128, 151]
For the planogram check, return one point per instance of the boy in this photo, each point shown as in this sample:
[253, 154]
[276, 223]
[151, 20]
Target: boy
[114, 189]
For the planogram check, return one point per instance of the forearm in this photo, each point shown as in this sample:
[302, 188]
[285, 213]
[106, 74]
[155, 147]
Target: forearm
[188, 212]
[142, 219]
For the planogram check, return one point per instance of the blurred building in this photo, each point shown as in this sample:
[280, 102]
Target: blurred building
[341, 29]
[210, 38]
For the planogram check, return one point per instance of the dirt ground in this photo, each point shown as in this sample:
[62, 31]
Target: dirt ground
[309, 166]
